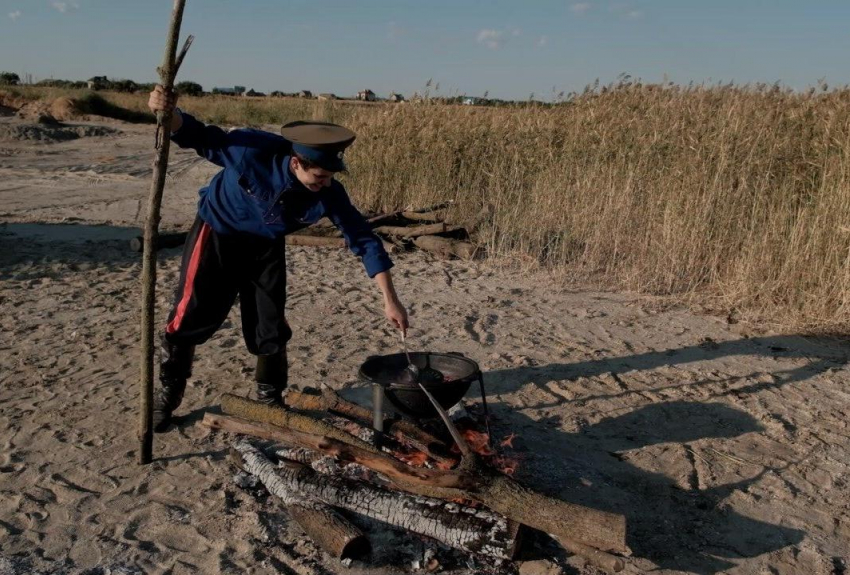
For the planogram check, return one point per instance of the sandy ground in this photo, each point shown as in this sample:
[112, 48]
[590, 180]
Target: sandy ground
[725, 447]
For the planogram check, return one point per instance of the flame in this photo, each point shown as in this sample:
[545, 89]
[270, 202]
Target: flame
[478, 441]
[508, 441]
[415, 458]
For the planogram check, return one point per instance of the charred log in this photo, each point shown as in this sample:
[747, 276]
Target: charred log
[473, 530]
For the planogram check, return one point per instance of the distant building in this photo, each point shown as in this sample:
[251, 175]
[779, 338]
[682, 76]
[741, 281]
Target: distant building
[97, 83]
[394, 97]
[327, 96]
[366, 96]
[305, 94]
[471, 101]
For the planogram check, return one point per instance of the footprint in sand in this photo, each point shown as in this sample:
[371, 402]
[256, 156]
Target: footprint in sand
[481, 329]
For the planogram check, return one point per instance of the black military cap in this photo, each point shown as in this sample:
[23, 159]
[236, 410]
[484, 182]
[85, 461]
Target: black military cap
[322, 143]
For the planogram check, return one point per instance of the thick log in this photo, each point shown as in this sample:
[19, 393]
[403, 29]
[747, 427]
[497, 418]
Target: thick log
[255, 411]
[472, 530]
[329, 242]
[404, 432]
[395, 470]
[432, 216]
[392, 215]
[333, 533]
[566, 521]
[416, 231]
[445, 247]
[330, 531]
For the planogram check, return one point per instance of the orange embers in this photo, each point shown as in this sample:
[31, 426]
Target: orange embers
[414, 458]
[478, 441]
[508, 441]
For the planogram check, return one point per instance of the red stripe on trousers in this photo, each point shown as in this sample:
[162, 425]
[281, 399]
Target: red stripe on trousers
[188, 286]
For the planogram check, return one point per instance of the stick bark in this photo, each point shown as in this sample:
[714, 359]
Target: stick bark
[167, 73]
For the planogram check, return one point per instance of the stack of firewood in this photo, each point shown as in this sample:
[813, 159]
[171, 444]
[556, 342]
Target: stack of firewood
[429, 229]
[330, 459]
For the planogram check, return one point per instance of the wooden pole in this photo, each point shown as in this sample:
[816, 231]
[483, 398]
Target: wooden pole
[167, 73]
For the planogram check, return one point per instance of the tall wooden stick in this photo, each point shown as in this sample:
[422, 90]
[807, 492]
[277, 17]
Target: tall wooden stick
[167, 73]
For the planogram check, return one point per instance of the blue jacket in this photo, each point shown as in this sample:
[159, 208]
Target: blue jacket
[257, 194]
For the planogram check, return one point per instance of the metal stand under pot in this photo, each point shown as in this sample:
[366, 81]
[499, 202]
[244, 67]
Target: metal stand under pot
[390, 377]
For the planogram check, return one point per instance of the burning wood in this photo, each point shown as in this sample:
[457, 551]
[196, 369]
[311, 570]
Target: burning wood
[581, 530]
[403, 431]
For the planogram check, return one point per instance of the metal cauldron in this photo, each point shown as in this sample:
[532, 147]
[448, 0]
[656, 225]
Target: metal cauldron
[390, 372]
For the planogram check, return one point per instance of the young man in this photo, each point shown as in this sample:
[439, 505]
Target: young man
[269, 186]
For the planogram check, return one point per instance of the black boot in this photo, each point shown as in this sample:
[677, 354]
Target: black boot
[271, 377]
[174, 369]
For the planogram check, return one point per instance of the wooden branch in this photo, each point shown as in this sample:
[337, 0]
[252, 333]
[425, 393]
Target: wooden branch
[445, 247]
[167, 71]
[403, 431]
[472, 530]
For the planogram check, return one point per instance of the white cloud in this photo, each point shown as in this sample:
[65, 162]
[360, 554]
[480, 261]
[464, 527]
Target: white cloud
[493, 39]
[580, 7]
[516, 32]
[15, 15]
[64, 6]
[625, 10]
[542, 40]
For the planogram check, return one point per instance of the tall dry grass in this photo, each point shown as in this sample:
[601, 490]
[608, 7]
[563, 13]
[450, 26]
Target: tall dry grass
[735, 195]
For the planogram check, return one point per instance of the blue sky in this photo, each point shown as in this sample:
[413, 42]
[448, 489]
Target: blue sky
[509, 48]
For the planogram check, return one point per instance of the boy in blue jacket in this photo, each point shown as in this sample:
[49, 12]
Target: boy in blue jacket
[269, 186]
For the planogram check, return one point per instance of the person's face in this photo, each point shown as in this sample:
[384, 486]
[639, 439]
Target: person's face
[314, 179]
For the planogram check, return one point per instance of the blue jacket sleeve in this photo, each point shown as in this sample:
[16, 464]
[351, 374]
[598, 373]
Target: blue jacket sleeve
[357, 232]
[211, 142]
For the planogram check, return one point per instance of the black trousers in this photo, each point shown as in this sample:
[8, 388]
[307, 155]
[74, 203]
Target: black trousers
[216, 268]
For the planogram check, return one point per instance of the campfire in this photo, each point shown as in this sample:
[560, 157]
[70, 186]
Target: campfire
[329, 453]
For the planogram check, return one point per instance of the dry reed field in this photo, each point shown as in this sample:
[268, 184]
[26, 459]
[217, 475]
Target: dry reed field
[734, 197]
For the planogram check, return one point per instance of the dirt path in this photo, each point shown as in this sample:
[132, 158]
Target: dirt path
[727, 449]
